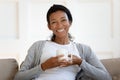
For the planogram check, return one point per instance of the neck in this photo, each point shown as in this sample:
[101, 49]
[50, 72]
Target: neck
[62, 40]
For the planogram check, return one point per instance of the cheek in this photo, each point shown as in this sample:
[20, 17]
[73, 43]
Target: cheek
[68, 26]
[51, 27]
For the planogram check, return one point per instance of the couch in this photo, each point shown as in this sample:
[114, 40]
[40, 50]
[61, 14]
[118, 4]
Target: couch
[9, 67]
[113, 67]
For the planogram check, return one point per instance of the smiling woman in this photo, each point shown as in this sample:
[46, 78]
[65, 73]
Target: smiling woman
[77, 61]
[59, 24]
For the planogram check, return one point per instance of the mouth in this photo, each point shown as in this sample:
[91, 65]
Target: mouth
[60, 30]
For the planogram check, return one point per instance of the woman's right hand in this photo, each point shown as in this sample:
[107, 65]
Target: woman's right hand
[53, 62]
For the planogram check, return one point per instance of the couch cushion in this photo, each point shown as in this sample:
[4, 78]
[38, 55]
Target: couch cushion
[8, 68]
[113, 67]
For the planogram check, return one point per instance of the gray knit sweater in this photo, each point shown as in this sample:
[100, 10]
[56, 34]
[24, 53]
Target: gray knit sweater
[91, 67]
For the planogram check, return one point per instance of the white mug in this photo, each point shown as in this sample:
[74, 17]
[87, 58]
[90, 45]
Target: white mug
[62, 52]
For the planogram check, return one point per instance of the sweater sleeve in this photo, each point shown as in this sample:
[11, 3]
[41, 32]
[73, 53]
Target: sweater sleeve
[28, 71]
[92, 66]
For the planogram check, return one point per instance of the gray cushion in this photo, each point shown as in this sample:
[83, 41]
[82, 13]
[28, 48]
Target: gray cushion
[8, 68]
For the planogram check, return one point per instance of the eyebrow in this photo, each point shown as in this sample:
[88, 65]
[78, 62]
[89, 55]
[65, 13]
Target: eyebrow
[63, 17]
[60, 18]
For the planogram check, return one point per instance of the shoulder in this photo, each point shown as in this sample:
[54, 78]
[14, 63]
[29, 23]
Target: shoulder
[82, 46]
[84, 50]
[39, 43]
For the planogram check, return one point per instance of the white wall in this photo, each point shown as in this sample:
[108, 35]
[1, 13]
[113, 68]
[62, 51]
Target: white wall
[95, 23]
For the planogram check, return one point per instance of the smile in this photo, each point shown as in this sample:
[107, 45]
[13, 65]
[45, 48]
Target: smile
[60, 30]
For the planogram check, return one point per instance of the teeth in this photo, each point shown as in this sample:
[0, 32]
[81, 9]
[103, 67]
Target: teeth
[60, 30]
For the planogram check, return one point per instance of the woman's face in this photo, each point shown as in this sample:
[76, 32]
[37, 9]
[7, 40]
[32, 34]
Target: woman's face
[59, 24]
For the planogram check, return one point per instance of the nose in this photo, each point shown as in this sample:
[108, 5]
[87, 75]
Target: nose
[59, 24]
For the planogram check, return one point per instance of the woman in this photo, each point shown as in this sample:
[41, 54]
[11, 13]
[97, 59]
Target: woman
[60, 58]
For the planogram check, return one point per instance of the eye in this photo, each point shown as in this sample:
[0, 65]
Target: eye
[64, 20]
[53, 22]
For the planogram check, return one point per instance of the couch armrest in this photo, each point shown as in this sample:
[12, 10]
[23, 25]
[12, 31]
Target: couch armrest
[113, 67]
[8, 69]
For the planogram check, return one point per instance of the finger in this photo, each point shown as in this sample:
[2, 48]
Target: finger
[60, 56]
[63, 64]
[70, 62]
[63, 60]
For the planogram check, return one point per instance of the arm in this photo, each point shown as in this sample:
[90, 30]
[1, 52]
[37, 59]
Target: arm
[92, 67]
[28, 71]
